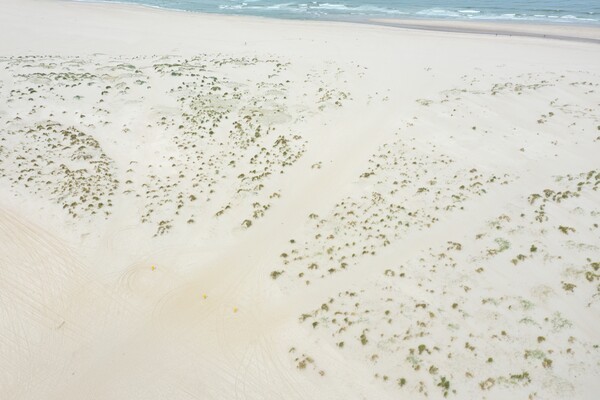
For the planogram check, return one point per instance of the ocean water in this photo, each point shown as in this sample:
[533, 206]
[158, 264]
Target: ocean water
[556, 11]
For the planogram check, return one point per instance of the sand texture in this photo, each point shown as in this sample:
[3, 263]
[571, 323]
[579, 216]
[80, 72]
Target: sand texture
[210, 207]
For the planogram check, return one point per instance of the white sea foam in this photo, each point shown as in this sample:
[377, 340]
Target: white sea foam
[437, 12]
[534, 10]
[315, 8]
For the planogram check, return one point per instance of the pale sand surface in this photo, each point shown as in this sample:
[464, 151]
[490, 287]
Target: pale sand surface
[208, 207]
[569, 32]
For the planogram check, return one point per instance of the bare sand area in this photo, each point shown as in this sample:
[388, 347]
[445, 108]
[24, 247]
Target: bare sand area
[209, 207]
[568, 32]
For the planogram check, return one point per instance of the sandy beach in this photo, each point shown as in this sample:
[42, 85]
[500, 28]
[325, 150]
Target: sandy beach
[566, 32]
[217, 207]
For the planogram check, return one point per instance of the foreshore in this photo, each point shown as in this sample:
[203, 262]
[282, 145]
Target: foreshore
[575, 33]
[24, 19]
[200, 206]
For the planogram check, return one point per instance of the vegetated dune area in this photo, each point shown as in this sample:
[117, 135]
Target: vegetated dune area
[212, 207]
